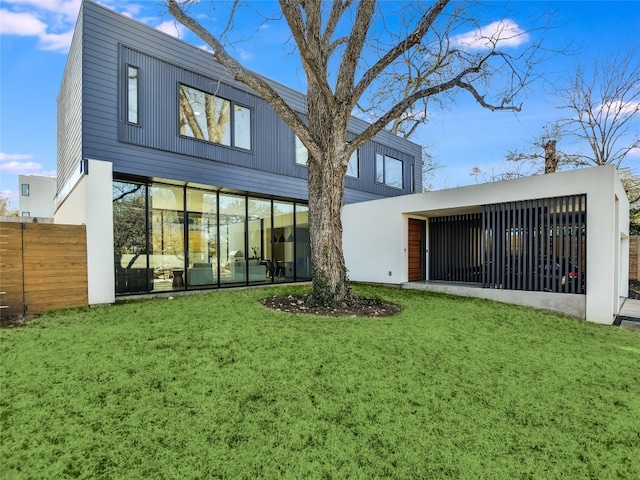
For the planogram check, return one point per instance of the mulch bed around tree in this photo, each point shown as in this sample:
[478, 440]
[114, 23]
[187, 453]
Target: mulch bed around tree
[358, 307]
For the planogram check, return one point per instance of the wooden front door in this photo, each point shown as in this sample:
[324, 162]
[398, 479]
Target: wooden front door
[416, 249]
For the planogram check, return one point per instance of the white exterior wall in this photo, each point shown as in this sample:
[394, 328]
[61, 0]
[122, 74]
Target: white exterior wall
[87, 201]
[39, 202]
[376, 233]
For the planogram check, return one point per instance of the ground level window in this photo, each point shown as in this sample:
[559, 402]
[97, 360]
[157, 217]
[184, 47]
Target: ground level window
[175, 238]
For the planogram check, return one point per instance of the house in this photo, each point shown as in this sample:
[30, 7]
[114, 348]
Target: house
[184, 178]
[36, 196]
[557, 241]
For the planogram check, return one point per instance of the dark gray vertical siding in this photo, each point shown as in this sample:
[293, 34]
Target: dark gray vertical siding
[69, 111]
[154, 149]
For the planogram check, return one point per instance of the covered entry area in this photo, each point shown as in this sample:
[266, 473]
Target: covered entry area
[557, 242]
[536, 245]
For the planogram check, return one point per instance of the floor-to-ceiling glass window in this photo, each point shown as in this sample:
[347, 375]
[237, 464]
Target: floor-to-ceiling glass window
[303, 243]
[232, 255]
[283, 241]
[259, 240]
[130, 237]
[166, 237]
[170, 237]
[202, 254]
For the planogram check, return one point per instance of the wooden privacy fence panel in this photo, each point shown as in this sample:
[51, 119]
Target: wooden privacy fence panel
[634, 257]
[44, 266]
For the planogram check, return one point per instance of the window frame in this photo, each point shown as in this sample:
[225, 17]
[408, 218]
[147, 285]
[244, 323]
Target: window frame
[384, 181]
[129, 119]
[23, 189]
[232, 120]
[301, 149]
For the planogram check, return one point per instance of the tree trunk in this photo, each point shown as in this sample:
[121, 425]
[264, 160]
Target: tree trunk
[326, 196]
[550, 157]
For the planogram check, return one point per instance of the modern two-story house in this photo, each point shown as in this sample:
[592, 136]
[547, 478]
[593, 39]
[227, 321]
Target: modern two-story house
[185, 178]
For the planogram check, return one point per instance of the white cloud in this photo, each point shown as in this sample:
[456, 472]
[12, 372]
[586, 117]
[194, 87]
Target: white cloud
[619, 107]
[14, 156]
[20, 168]
[51, 22]
[505, 33]
[20, 23]
[18, 163]
[173, 28]
[68, 9]
[634, 152]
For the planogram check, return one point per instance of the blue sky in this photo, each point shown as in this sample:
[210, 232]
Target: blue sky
[35, 35]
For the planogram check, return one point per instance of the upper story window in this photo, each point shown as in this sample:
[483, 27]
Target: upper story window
[389, 171]
[302, 157]
[210, 118]
[132, 94]
[24, 189]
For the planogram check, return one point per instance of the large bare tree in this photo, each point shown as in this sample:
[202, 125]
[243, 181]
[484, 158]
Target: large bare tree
[352, 50]
[603, 104]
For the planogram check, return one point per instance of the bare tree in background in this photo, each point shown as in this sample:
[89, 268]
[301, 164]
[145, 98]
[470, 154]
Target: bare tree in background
[349, 53]
[603, 104]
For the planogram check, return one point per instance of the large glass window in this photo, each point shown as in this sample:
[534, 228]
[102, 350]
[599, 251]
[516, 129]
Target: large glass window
[24, 189]
[130, 238]
[233, 257]
[303, 244]
[166, 237]
[175, 238]
[202, 218]
[389, 171]
[283, 241]
[207, 117]
[259, 227]
[132, 94]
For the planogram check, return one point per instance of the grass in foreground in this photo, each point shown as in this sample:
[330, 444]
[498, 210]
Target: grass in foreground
[216, 386]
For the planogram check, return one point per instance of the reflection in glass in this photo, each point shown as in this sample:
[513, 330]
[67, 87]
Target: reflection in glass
[303, 243]
[166, 237]
[232, 217]
[259, 229]
[132, 94]
[204, 116]
[353, 167]
[283, 241]
[129, 238]
[202, 262]
[242, 127]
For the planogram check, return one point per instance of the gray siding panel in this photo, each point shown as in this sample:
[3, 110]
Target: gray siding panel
[69, 111]
[154, 149]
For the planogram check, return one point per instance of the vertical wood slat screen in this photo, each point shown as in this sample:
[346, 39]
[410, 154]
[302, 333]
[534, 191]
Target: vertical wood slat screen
[533, 245]
[455, 248]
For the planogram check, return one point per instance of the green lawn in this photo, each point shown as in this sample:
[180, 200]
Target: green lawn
[217, 386]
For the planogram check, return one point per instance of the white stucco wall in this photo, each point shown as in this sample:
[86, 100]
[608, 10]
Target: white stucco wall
[88, 201]
[376, 232]
[39, 202]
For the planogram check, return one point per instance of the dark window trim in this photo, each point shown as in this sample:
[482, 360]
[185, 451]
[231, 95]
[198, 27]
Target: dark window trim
[127, 116]
[384, 180]
[23, 189]
[232, 135]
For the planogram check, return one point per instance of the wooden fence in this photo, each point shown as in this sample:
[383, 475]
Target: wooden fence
[42, 267]
[634, 257]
